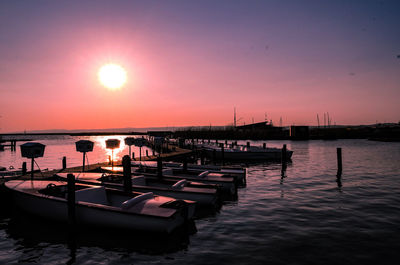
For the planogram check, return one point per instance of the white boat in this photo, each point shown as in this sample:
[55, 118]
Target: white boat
[238, 173]
[101, 207]
[246, 153]
[204, 195]
[228, 184]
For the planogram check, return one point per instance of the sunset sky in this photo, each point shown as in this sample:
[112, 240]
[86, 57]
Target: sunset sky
[192, 62]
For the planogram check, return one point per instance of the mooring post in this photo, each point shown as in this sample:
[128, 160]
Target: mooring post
[283, 154]
[159, 167]
[147, 153]
[33, 160]
[126, 165]
[339, 161]
[64, 162]
[71, 199]
[264, 145]
[23, 168]
[133, 156]
[185, 164]
[248, 144]
[226, 142]
[202, 156]
[223, 154]
[283, 159]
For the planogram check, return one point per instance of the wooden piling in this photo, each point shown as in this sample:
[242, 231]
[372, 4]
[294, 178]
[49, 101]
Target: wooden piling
[339, 161]
[264, 145]
[248, 144]
[64, 162]
[23, 168]
[71, 200]
[147, 153]
[284, 156]
[126, 165]
[223, 154]
[159, 167]
[32, 167]
[185, 164]
[283, 160]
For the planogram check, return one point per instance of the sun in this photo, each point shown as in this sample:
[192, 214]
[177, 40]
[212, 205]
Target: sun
[112, 76]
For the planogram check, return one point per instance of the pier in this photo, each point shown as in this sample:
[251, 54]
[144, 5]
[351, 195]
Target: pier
[175, 153]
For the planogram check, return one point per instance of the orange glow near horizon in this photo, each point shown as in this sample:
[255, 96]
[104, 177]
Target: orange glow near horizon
[112, 76]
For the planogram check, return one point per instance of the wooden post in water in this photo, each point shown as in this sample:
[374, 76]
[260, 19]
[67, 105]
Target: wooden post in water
[184, 164]
[264, 145]
[159, 167]
[147, 153]
[223, 154]
[64, 162]
[339, 161]
[226, 142]
[284, 154]
[248, 144]
[133, 156]
[126, 165]
[32, 168]
[23, 168]
[202, 157]
[283, 159]
[71, 200]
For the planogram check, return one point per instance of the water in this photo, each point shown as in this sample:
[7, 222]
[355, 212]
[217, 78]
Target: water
[302, 218]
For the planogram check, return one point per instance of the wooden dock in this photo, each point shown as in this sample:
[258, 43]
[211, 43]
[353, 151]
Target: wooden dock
[176, 152]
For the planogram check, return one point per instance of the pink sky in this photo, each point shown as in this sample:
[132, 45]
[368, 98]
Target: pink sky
[189, 67]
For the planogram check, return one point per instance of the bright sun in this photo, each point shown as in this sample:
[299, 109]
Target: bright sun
[112, 76]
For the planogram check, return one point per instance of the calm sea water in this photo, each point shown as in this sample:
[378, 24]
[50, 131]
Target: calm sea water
[305, 217]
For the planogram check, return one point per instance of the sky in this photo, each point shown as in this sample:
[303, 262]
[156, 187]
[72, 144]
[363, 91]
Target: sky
[190, 63]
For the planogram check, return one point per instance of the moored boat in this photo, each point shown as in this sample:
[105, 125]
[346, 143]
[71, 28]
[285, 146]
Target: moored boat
[238, 173]
[246, 153]
[101, 207]
[228, 184]
[204, 195]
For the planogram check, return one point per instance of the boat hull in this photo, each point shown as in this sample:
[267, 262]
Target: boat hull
[90, 214]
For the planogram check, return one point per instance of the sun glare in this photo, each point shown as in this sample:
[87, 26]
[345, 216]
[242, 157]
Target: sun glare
[112, 76]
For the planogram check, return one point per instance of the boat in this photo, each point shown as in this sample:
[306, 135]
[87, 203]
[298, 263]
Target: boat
[228, 184]
[245, 153]
[204, 195]
[10, 173]
[98, 206]
[238, 173]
